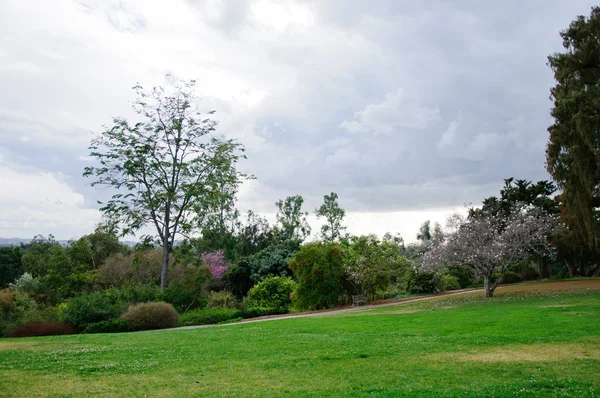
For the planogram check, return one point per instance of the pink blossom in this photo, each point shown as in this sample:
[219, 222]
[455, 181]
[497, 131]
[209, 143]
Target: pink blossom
[215, 261]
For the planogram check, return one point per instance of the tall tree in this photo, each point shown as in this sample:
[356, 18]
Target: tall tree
[334, 215]
[291, 218]
[573, 152]
[166, 168]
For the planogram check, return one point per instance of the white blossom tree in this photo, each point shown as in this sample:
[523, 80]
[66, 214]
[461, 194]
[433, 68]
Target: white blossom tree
[481, 245]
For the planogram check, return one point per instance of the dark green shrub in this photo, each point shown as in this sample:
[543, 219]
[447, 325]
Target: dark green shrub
[419, 281]
[255, 312]
[150, 316]
[183, 300]
[90, 308]
[273, 293]
[207, 316]
[511, 277]
[52, 328]
[110, 326]
[529, 274]
[320, 272]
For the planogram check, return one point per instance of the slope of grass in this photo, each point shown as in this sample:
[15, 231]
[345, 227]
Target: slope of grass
[531, 342]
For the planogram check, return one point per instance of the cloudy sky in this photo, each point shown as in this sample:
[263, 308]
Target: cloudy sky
[406, 109]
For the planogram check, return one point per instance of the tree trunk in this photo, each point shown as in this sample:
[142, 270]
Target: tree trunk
[582, 268]
[165, 263]
[487, 289]
[544, 274]
[570, 266]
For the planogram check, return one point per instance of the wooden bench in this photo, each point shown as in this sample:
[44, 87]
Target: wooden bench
[358, 300]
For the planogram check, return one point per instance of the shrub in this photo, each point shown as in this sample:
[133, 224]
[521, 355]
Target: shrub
[53, 328]
[186, 284]
[255, 312]
[208, 316]
[7, 298]
[149, 316]
[511, 277]
[273, 293]
[320, 272]
[90, 308]
[110, 326]
[419, 281]
[222, 299]
[445, 282]
[529, 274]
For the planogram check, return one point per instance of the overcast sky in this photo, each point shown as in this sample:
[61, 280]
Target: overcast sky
[406, 109]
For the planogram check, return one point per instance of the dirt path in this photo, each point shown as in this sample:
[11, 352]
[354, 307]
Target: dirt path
[559, 286]
[332, 311]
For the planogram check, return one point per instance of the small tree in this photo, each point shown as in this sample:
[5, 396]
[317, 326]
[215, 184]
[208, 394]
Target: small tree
[166, 169]
[291, 219]
[319, 269]
[332, 230]
[485, 248]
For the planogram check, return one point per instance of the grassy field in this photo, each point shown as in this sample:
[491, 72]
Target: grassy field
[531, 340]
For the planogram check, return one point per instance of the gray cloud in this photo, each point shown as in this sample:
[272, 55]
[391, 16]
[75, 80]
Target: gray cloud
[393, 105]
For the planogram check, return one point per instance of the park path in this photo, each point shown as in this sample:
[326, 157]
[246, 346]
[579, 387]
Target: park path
[332, 311]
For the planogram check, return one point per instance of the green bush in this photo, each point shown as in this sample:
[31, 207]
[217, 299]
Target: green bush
[419, 281]
[511, 277]
[255, 312]
[110, 326]
[320, 272]
[222, 299]
[272, 293]
[529, 274]
[207, 316]
[445, 282]
[183, 300]
[150, 316]
[90, 308]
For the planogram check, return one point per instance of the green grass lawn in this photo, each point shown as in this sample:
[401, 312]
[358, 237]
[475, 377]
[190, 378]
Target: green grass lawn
[531, 344]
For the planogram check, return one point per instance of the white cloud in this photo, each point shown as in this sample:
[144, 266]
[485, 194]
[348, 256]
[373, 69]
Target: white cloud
[41, 202]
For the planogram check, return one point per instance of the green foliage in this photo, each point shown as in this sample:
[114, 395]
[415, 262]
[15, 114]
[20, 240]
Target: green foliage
[207, 316]
[445, 282]
[110, 326]
[372, 265]
[573, 152]
[185, 290]
[319, 270]
[291, 219]
[18, 309]
[272, 293]
[90, 308]
[222, 299]
[255, 312]
[150, 316]
[334, 215]
[36, 256]
[255, 235]
[510, 277]
[11, 266]
[272, 260]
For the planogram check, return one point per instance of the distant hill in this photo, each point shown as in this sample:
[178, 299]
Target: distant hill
[19, 241]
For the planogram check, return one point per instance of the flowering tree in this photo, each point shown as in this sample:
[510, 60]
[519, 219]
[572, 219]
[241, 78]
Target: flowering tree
[216, 263]
[484, 247]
